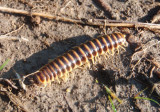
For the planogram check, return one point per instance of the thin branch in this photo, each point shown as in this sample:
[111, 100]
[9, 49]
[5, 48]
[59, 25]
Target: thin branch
[8, 82]
[105, 7]
[6, 36]
[14, 30]
[91, 22]
[13, 38]
[156, 17]
[20, 80]
[144, 53]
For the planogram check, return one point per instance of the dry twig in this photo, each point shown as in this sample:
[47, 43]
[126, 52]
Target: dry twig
[20, 80]
[154, 62]
[5, 36]
[92, 22]
[156, 18]
[15, 100]
[13, 38]
[105, 6]
[144, 52]
[14, 30]
[154, 86]
[9, 83]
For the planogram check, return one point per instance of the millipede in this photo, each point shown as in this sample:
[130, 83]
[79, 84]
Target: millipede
[79, 55]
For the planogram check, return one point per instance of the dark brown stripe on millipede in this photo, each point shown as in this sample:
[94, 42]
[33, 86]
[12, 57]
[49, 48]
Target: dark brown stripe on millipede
[66, 62]
[81, 54]
[87, 50]
[46, 75]
[49, 72]
[71, 59]
[44, 71]
[61, 65]
[76, 57]
[119, 38]
[114, 40]
[103, 43]
[92, 47]
[98, 45]
[55, 67]
[109, 42]
[54, 72]
[41, 76]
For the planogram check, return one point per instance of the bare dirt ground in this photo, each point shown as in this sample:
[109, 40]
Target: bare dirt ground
[48, 39]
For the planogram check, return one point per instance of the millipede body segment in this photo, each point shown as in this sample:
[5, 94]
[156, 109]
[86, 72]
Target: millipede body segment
[79, 55]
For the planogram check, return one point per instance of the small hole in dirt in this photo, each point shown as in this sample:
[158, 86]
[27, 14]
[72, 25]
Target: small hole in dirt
[44, 35]
[35, 37]
[79, 2]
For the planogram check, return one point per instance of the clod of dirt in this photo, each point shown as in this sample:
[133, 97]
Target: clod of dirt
[36, 20]
[134, 44]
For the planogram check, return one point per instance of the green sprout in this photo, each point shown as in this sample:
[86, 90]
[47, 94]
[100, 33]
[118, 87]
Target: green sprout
[4, 64]
[113, 107]
[143, 98]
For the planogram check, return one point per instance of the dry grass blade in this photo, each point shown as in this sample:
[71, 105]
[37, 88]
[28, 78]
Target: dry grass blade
[5, 37]
[15, 30]
[16, 101]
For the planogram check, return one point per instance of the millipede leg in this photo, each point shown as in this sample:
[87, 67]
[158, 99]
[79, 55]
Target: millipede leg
[98, 59]
[49, 83]
[105, 56]
[89, 65]
[65, 77]
[80, 67]
[112, 52]
[57, 79]
[53, 79]
[92, 60]
[123, 48]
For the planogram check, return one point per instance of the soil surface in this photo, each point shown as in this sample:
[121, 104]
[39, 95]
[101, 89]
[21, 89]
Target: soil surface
[48, 39]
